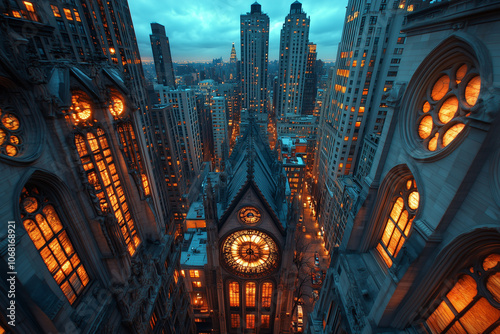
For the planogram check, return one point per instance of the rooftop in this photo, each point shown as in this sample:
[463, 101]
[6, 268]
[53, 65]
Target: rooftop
[194, 249]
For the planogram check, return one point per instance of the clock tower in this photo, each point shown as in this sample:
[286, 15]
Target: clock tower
[249, 246]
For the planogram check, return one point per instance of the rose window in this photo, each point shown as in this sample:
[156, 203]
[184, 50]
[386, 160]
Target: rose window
[443, 113]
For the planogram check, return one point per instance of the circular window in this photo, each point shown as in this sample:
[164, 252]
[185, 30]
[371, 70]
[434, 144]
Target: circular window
[445, 105]
[250, 253]
[116, 106]
[80, 109]
[10, 134]
[443, 97]
[249, 215]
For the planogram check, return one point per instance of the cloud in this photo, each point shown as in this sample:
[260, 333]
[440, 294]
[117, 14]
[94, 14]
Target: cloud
[200, 30]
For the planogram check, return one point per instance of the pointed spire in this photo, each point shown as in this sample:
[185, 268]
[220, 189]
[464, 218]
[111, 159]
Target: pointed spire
[250, 154]
[233, 58]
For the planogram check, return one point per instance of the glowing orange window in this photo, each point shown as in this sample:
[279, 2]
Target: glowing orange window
[466, 308]
[443, 113]
[67, 13]
[399, 221]
[250, 294]
[97, 161]
[234, 294]
[267, 291]
[250, 320]
[235, 320]
[11, 142]
[45, 229]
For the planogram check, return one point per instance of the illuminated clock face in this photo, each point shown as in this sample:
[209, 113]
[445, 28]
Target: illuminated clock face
[249, 215]
[250, 253]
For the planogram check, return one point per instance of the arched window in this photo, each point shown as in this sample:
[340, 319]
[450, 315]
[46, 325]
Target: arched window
[472, 305]
[234, 294]
[11, 143]
[44, 227]
[399, 221]
[131, 153]
[250, 294]
[267, 293]
[102, 175]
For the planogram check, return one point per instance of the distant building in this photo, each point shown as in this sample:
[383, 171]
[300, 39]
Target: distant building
[219, 130]
[295, 172]
[161, 55]
[176, 130]
[254, 57]
[292, 62]
[193, 261]
[300, 127]
[310, 81]
[232, 58]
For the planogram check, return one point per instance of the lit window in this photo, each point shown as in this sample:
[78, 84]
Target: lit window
[116, 107]
[77, 15]
[130, 150]
[235, 320]
[265, 320]
[441, 118]
[145, 184]
[41, 221]
[176, 276]
[399, 221]
[196, 284]
[250, 294]
[153, 321]
[31, 11]
[55, 10]
[267, 291]
[11, 142]
[67, 13]
[194, 273]
[102, 175]
[234, 294]
[250, 320]
[467, 308]
[80, 108]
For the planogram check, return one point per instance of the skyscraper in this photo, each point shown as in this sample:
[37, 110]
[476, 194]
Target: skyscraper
[176, 132]
[162, 56]
[232, 58]
[219, 128]
[368, 58]
[310, 81]
[254, 57]
[292, 62]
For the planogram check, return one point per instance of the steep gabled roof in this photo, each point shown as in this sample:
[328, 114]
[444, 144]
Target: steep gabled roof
[253, 165]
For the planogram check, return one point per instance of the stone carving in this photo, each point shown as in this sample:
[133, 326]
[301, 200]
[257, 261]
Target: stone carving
[136, 298]
[487, 105]
[394, 95]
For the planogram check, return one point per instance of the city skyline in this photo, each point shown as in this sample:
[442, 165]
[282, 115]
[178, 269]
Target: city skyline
[197, 35]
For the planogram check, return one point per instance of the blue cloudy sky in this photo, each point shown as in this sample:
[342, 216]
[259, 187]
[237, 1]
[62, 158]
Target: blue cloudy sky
[201, 30]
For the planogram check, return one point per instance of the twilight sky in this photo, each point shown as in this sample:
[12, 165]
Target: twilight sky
[201, 30]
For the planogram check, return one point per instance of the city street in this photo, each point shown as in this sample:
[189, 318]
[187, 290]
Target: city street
[309, 239]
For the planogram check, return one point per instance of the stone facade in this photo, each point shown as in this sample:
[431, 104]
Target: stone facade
[404, 277]
[93, 250]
